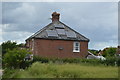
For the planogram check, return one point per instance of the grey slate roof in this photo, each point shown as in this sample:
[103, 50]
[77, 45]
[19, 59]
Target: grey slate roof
[60, 31]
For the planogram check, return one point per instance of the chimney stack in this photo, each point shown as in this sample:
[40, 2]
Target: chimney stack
[55, 16]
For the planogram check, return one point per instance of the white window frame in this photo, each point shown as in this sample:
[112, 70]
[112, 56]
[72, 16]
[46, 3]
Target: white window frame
[75, 46]
[32, 44]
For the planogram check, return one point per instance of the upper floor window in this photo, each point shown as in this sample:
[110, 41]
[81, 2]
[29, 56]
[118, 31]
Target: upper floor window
[76, 47]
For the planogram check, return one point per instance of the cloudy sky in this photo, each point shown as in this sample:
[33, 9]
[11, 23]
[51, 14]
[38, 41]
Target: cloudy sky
[98, 21]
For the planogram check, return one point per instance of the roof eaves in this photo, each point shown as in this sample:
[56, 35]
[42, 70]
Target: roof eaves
[50, 38]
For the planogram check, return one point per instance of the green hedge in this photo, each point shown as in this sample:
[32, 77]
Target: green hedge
[112, 61]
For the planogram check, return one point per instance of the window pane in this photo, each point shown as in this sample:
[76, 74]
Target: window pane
[76, 49]
[76, 44]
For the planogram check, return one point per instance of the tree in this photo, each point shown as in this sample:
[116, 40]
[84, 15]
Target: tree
[8, 46]
[15, 58]
[21, 45]
[95, 52]
[111, 51]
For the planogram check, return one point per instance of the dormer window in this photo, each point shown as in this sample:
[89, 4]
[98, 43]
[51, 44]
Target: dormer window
[76, 47]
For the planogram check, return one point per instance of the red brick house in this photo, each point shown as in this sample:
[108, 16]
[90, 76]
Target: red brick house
[58, 40]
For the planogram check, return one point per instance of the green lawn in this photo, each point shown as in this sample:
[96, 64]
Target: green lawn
[52, 70]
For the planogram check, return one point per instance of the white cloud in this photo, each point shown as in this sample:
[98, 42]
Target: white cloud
[0, 33]
[102, 45]
[19, 37]
[97, 21]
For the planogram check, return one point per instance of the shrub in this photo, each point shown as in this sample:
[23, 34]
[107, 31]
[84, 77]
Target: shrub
[118, 61]
[9, 73]
[66, 60]
[41, 59]
[15, 58]
[109, 52]
[112, 61]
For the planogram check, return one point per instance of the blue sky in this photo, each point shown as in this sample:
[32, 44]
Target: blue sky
[98, 21]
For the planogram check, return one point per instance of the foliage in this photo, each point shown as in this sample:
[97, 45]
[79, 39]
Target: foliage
[8, 46]
[111, 51]
[15, 58]
[9, 73]
[109, 60]
[118, 61]
[41, 59]
[95, 52]
[0, 57]
[66, 70]
[21, 45]
[0, 50]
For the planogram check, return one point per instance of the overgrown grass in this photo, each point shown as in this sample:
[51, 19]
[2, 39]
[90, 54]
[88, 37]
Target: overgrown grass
[65, 70]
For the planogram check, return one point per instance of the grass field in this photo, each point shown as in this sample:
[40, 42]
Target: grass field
[52, 70]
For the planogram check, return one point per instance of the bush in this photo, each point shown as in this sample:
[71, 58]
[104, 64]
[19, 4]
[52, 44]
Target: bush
[66, 60]
[41, 59]
[118, 61]
[112, 61]
[9, 73]
[15, 58]
[111, 51]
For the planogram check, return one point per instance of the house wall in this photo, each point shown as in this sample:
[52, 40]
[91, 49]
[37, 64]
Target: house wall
[50, 48]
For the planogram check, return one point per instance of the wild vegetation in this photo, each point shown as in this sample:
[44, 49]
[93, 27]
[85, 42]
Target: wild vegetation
[15, 66]
[9, 45]
[107, 52]
[66, 70]
[12, 55]
[15, 58]
[0, 56]
[111, 61]
[95, 52]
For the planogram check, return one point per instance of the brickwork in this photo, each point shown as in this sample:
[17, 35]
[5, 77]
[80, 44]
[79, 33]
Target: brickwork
[58, 48]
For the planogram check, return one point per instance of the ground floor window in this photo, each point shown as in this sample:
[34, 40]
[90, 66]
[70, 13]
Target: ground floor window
[76, 47]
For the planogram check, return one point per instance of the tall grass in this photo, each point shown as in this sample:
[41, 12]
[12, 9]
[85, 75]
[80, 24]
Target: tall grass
[52, 70]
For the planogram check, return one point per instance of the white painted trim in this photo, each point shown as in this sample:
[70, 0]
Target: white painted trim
[74, 46]
[76, 51]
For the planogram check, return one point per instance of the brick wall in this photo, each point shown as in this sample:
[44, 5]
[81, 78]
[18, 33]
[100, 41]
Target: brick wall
[58, 48]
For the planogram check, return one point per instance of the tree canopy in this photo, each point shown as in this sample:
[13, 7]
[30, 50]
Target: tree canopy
[15, 58]
[9, 45]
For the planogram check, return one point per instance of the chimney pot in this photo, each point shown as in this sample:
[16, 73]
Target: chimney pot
[55, 16]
